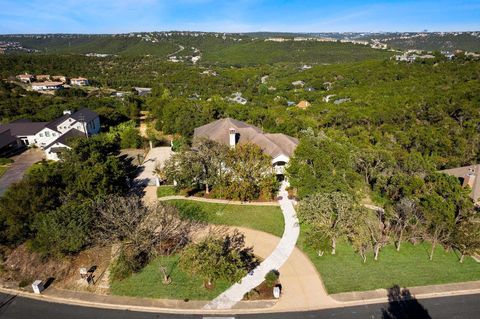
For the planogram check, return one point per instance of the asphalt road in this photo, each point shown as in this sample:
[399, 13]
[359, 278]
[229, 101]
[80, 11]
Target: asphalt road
[464, 307]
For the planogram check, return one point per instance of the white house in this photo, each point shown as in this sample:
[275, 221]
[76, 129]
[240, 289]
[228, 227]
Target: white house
[232, 132]
[25, 78]
[79, 81]
[238, 98]
[61, 144]
[48, 135]
[46, 86]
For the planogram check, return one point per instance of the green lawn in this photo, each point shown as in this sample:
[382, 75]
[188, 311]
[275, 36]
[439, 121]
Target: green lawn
[166, 190]
[410, 267]
[3, 169]
[265, 218]
[148, 283]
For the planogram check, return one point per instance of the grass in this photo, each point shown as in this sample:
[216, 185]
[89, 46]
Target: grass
[166, 190]
[264, 218]
[148, 283]
[409, 267]
[3, 169]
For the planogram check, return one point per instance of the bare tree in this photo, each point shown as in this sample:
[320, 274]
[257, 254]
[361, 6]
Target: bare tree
[405, 220]
[144, 232]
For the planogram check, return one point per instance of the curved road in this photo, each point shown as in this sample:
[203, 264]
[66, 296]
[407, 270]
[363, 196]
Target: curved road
[458, 307]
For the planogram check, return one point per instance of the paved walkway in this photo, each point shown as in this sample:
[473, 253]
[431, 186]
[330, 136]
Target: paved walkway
[21, 163]
[218, 201]
[279, 256]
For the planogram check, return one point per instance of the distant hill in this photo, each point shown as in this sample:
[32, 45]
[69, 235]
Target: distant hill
[430, 41]
[242, 48]
[208, 48]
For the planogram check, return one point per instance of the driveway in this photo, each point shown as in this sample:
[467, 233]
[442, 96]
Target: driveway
[155, 157]
[16, 171]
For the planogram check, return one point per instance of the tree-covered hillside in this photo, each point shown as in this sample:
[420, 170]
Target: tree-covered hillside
[212, 48]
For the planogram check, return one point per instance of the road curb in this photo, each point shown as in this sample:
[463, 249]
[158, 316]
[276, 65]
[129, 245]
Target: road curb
[340, 304]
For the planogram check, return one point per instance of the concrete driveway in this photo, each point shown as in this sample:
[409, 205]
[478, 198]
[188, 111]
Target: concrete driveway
[155, 157]
[16, 171]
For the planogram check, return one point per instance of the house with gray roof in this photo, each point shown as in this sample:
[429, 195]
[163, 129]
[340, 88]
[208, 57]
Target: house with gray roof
[231, 132]
[46, 134]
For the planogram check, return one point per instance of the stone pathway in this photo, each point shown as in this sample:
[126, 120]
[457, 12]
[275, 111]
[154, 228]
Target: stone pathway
[279, 256]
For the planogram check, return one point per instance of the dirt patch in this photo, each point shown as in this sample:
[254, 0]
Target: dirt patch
[24, 266]
[261, 292]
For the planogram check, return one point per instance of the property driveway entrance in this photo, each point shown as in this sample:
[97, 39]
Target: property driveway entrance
[156, 157]
[16, 171]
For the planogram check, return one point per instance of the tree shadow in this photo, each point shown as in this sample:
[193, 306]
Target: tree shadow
[402, 305]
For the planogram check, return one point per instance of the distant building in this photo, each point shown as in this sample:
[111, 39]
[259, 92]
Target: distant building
[46, 86]
[328, 98]
[303, 105]
[59, 78]
[340, 101]
[143, 91]
[298, 83]
[42, 77]
[238, 98]
[25, 78]
[79, 81]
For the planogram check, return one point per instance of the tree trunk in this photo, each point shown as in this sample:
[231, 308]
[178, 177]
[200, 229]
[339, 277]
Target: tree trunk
[399, 243]
[377, 250]
[364, 257]
[320, 253]
[462, 257]
[334, 245]
[433, 248]
[207, 189]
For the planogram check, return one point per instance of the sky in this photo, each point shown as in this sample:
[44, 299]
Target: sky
[123, 16]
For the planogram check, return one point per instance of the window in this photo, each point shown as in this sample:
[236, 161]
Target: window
[54, 134]
[47, 134]
[41, 134]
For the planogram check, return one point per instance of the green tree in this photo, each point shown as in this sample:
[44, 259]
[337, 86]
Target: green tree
[328, 217]
[65, 230]
[321, 164]
[248, 168]
[224, 258]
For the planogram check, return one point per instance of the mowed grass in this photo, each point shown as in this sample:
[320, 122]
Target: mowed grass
[148, 283]
[166, 190]
[409, 267]
[264, 218]
[3, 169]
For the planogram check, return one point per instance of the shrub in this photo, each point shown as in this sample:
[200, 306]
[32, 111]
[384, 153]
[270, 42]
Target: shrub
[271, 278]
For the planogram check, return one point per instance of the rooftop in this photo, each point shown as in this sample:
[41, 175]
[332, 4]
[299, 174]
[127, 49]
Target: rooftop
[272, 144]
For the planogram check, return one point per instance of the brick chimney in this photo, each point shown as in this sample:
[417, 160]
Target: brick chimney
[233, 137]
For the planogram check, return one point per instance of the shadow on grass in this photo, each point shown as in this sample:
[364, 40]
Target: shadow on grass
[402, 305]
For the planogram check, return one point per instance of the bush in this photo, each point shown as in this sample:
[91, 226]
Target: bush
[128, 262]
[271, 278]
